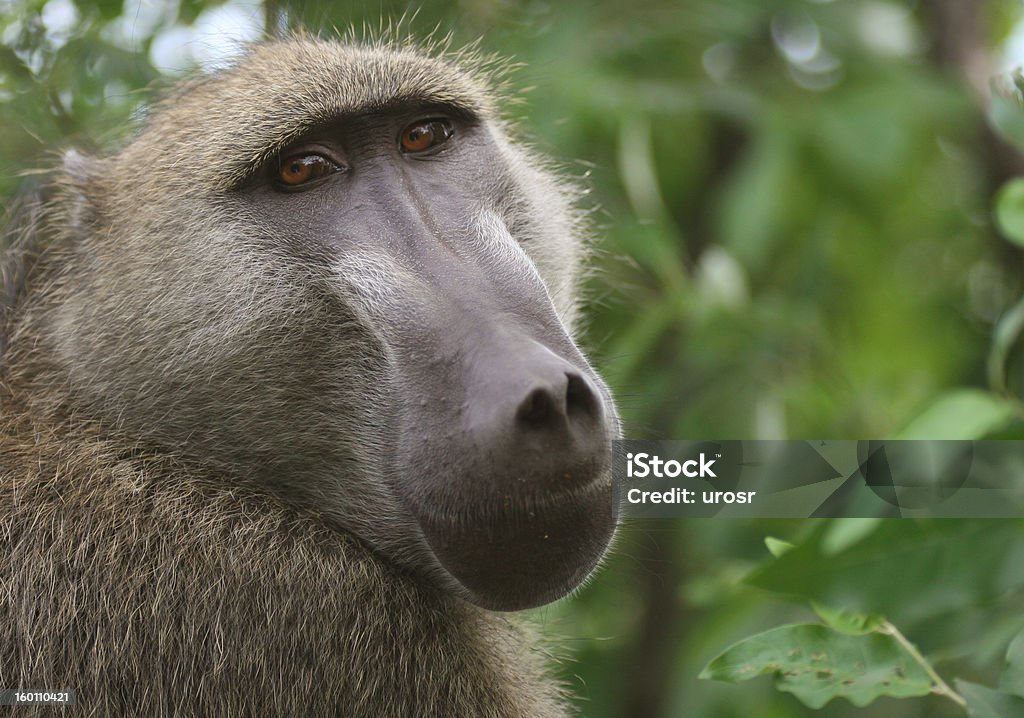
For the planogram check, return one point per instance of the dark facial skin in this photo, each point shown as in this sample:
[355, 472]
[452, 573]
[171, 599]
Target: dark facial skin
[501, 432]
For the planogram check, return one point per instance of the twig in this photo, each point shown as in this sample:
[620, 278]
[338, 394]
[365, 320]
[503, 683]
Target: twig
[940, 687]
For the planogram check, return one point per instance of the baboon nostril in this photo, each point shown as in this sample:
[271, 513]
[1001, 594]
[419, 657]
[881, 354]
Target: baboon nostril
[580, 400]
[548, 407]
[538, 409]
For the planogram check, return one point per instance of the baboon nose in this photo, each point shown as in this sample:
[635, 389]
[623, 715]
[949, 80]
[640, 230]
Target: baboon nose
[566, 400]
[537, 420]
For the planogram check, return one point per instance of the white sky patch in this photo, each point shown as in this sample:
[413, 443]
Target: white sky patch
[797, 37]
[888, 29]
[218, 35]
[139, 20]
[170, 51]
[1013, 48]
[799, 40]
[59, 17]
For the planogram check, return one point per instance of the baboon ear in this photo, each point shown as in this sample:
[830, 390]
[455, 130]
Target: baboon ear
[79, 171]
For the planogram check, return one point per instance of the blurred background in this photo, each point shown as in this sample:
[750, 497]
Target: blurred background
[807, 227]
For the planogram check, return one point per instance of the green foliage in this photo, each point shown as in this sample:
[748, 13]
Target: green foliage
[961, 414]
[817, 664]
[942, 567]
[946, 569]
[846, 621]
[1010, 210]
[985, 702]
[1008, 700]
[1012, 680]
[777, 547]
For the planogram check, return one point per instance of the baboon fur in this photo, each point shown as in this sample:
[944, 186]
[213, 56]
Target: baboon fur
[153, 554]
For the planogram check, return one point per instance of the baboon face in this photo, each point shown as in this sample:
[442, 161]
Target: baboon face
[327, 271]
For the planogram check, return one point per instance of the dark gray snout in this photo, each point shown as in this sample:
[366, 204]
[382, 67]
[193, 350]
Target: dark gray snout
[521, 512]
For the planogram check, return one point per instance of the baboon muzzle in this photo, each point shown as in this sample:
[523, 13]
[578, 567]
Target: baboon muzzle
[514, 497]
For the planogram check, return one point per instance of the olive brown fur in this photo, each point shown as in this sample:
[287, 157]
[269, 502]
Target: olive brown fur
[276, 449]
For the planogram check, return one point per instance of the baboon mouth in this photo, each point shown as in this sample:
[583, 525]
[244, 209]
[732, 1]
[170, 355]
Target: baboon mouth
[525, 556]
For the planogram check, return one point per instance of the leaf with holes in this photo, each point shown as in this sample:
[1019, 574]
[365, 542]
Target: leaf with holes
[817, 664]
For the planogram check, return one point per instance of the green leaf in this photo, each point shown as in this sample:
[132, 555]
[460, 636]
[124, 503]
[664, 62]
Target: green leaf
[107, 9]
[846, 621]
[983, 702]
[1005, 113]
[817, 664]
[777, 547]
[1005, 336]
[1012, 680]
[965, 414]
[751, 217]
[1010, 210]
[905, 570]
[843, 533]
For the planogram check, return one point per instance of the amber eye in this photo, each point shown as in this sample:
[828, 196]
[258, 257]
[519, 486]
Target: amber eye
[300, 169]
[423, 135]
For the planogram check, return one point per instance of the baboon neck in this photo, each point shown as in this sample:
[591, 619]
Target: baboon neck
[153, 592]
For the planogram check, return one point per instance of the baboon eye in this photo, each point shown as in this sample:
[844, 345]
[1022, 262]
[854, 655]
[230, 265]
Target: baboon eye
[302, 168]
[423, 135]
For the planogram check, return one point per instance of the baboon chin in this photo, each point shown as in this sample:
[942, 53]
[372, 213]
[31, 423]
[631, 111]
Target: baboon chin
[291, 403]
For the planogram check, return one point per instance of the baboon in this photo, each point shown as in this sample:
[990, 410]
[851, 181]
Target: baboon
[291, 415]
